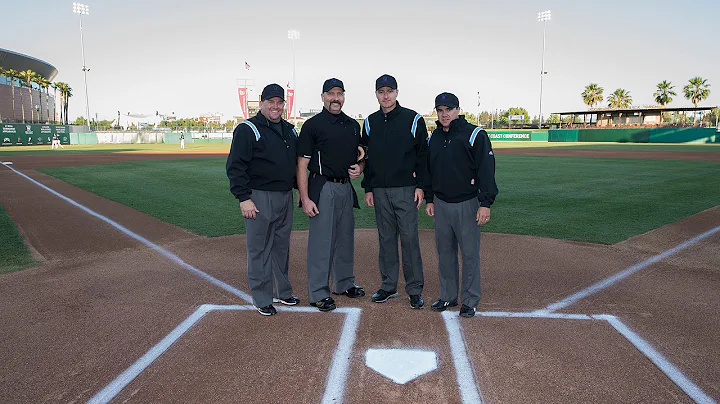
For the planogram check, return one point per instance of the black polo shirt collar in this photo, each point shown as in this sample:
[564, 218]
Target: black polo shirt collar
[333, 118]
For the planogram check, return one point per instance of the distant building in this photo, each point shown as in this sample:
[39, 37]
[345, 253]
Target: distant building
[38, 105]
[627, 117]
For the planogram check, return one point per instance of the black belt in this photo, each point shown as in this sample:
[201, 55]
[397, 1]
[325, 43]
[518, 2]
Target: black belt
[338, 180]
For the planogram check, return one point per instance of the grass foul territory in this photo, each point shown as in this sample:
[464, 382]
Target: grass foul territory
[13, 251]
[583, 199]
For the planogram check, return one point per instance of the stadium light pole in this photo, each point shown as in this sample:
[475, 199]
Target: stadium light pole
[294, 35]
[543, 17]
[83, 9]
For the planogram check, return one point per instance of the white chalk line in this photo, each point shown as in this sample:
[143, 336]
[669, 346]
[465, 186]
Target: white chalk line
[469, 390]
[337, 374]
[173, 257]
[670, 370]
[563, 303]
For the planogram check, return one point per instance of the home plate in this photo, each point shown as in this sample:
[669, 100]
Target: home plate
[401, 365]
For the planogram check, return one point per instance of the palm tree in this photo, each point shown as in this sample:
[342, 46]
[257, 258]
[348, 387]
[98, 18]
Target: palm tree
[55, 88]
[29, 77]
[620, 99]
[697, 90]
[12, 74]
[592, 94]
[664, 92]
[45, 84]
[65, 94]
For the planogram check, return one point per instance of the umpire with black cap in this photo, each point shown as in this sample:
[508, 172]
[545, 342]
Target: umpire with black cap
[328, 148]
[397, 145]
[261, 169]
[459, 191]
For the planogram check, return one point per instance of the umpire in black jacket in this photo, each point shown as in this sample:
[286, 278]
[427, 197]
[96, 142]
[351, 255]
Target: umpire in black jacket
[459, 191]
[261, 169]
[397, 148]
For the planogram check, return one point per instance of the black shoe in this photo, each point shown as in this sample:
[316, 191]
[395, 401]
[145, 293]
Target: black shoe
[268, 310]
[416, 302]
[441, 305]
[382, 296]
[326, 304]
[290, 301]
[467, 311]
[355, 291]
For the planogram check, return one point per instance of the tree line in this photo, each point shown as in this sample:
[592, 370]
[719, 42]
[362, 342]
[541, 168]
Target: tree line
[696, 90]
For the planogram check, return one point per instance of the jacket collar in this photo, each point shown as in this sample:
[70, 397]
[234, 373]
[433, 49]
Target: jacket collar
[260, 118]
[454, 124]
[392, 114]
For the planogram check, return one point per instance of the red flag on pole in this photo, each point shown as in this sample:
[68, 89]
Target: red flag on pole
[242, 94]
[290, 99]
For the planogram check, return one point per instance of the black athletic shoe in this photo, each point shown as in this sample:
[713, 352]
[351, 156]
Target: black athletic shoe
[290, 301]
[416, 302]
[382, 296]
[467, 311]
[355, 291]
[441, 305]
[326, 304]
[268, 310]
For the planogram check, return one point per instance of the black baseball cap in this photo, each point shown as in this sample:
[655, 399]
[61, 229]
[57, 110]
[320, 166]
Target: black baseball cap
[272, 90]
[330, 83]
[447, 99]
[385, 80]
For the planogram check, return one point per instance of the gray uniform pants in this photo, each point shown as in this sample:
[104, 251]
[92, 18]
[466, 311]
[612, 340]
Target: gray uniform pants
[396, 214]
[268, 246]
[455, 225]
[331, 242]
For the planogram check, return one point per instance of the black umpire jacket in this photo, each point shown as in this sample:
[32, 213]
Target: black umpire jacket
[461, 164]
[397, 149]
[261, 157]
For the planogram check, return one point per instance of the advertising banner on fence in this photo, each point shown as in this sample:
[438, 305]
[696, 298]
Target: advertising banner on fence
[509, 136]
[291, 100]
[25, 134]
[242, 94]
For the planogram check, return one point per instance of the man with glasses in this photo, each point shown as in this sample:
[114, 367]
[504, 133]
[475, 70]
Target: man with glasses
[261, 169]
[397, 146]
[328, 148]
[459, 191]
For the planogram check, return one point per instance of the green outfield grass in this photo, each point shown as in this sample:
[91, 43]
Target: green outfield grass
[583, 199]
[15, 254]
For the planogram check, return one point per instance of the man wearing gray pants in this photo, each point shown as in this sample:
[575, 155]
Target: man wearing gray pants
[396, 138]
[261, 170]
[459, 191]
[328, 148]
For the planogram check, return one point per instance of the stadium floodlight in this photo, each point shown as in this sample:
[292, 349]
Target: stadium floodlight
[294, 35]
[83, 9]
[543, 17]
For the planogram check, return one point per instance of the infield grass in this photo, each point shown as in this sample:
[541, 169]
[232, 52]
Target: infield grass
[14, 254]
[583, 199]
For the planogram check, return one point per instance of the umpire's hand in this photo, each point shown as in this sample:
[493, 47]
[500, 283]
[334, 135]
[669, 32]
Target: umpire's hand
[248, 209]
[483, 216]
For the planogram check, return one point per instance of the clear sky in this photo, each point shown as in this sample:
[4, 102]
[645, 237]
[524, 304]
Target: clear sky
[184, 57]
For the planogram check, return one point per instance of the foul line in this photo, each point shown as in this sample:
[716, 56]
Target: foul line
[624, 274]
[337, 374]
[143, 240]
[469, 392]
[672, 372]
